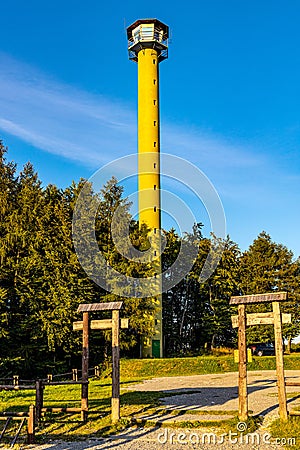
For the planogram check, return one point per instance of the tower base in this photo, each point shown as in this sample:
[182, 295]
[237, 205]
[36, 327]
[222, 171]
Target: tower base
[151, 348]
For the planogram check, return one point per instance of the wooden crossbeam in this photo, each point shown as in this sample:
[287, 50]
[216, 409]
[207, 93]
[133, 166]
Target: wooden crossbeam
[259, 298]
[109, 306]
[13, 414]
[292, 383]
[103, 324]
[66, 410]
[14, 387]
[260, 319]
[63, 383]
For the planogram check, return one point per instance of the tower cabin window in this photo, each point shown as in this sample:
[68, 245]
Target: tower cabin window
[136, 34]
[158, 35]
[147, 32]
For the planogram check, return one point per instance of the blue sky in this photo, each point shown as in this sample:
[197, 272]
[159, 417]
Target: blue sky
[230, 96]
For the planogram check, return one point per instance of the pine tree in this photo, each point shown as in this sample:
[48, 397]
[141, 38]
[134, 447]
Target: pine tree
[269, 267]
[127, 233]
[222, 284]
[8, 187]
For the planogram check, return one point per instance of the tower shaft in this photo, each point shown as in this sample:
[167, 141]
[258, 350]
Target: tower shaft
[147, 45]
[148, 138]
[149, 174]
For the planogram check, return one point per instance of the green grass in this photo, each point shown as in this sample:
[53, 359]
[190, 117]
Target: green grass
[203, 412]
[69, 426]
[287, 432]
[144, 369]
[133, 404]
[290, 430]
[220, 427]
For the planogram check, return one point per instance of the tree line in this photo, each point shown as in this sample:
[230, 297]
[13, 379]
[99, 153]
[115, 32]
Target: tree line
[42, 282]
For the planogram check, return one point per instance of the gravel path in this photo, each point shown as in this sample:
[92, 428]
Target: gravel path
[216, 392]
[168, 439]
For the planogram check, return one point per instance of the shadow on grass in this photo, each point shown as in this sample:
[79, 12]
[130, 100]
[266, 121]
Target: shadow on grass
[267, 381]
[133, 403]
[271, 408]
[108, 443]
[139, 398]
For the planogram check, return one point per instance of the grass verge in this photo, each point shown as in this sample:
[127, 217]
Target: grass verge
[148, 368]
[287, 433]
[133, 404]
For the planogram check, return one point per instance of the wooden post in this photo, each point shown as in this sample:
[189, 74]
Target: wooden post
[30, 426]
[75, 374]
[115, 400]
[85, 367]
[114, 324]
[279, 362]
[39, 398]
[243, 397]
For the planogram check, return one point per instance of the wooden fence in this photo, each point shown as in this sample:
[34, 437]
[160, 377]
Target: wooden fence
[23, 417]
[33, 416]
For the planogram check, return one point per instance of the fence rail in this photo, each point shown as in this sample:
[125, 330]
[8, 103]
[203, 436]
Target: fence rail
[33, 416]
[15, 387]
[23, 416]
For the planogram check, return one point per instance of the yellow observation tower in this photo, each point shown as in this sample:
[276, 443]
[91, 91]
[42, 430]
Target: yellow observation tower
[148, 46]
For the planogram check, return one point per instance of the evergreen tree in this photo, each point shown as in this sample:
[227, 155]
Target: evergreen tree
[222, 284]
[127, 232]
[23, 230]
[42, 282]
[269, 267]
[8, 187]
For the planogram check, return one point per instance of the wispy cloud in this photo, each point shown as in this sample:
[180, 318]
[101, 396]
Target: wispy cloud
[207, 149]
[60, 119]
[90, 128]
[94, 130]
